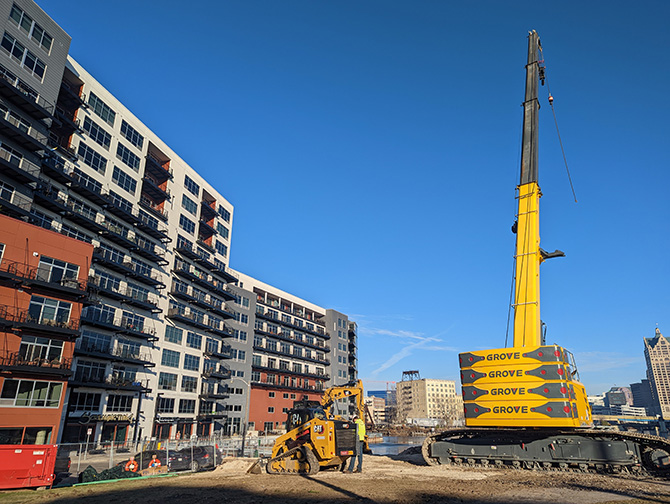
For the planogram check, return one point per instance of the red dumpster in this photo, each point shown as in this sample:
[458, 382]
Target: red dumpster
[24, 466]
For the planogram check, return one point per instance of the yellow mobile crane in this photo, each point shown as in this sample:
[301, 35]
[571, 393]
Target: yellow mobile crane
[524, 405]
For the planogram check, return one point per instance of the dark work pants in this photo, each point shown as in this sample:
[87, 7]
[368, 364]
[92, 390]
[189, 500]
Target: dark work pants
[358, 455]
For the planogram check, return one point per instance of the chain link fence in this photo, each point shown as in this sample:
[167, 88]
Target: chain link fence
[179, 455]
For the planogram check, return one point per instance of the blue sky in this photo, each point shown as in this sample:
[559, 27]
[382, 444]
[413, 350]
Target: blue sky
[371, 151]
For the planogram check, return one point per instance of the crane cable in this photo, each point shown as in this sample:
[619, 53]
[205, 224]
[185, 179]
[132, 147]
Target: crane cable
[558, 133]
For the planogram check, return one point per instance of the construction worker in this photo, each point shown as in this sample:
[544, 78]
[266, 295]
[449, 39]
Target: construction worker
[155, 461]
[358, 454]
[132, 465]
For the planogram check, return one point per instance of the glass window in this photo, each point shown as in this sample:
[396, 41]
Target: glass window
[221, 248]
[186, 224]
[29, 393]
[225, 214]
[125, 155]
[189, 384]
[101, 109]
[223, 230]
[191, 186]
[49, 311]
[170, 358]
[84, 401]
[173, 334]
[56, 271]
[186, 405]
[167, 381]
[193, 340]
[92, 158]
[189, 204]
[123, 180]
[97, 134]
[165, 405]
[191, 362]
[119, 403]
[131, 134]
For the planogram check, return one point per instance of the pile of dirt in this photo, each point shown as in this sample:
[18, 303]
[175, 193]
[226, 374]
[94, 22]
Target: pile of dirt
[236, 466]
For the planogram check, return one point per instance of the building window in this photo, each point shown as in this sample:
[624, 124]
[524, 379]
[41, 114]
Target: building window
[23, 56]
[170, 358]
[173, 335]
[189, 384]
[165, 405]
[167, 381]
[56, 271]
[84, 401]
[186, 224]
[271, 409]
[120, 202]
[123, 180]
[221, 248]
[119, 403]
[271, 394]
[34, 348]
[255, 376]
[186, 405]
[223, 230]
[92, 158]
[189, 204]
[29, 393]
[191, 186]
[46, 310]
[191, 362]
[101, 109]
[131, 134]
[225, 214]
[193, 340]
[34, 31]
[96, 133]
[125, 155]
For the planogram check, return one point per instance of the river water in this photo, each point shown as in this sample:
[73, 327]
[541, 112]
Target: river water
[393, 445]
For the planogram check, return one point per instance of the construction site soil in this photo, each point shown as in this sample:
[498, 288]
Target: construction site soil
[398, 479]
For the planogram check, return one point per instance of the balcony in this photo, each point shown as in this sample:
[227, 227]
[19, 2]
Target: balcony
[187, 318]
[153, 208]
[147, 250]
[19, 169]
[15, 205]
[89, 188]
[152, 228]
[25, 98]
[206, 229]
[204, 260]
[109, 260]
[275, 351]
[207, 211]
[267, 384]
[11, 317]
[200, 241]
[214, 392]
[153, 188]
[83, 217]
[222, 373]
[68, 123]
[155, 167]
[15, 362]
[71, 96]
[119, 325]
[147, 277]
[223, 274]
[106, 352]
[221, 330]
[20, 274]
[118, 209]
[224, 353]
[115, 381]
[58, 169]
[27, 137]
[278, 371]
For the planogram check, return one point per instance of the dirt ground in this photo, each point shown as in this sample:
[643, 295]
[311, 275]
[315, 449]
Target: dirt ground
[401, 479]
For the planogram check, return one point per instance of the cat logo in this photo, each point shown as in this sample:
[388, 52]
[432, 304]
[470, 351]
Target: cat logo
[318, 429]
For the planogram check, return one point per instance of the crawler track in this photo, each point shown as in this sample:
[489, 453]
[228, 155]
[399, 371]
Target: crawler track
[582, 450]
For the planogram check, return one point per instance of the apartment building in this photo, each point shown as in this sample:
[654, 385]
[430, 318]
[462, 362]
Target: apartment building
[298, 350]
[166, 343]
[429, 399]
[42, 288]
[657, 356]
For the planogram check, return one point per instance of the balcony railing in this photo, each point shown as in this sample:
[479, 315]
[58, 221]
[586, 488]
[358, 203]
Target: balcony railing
[42, 277]
[13, 317]
[30, 172]
[29, 95]
[58, 365]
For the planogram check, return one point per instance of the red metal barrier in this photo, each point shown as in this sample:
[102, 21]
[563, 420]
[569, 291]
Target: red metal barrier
[24, 466]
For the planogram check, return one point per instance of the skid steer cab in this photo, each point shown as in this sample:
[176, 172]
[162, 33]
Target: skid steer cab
[312, 442]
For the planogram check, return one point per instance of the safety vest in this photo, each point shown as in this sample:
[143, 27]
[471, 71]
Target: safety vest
[360, 424]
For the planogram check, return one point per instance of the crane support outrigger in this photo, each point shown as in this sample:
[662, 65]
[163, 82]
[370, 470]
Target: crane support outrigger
[524, 405]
